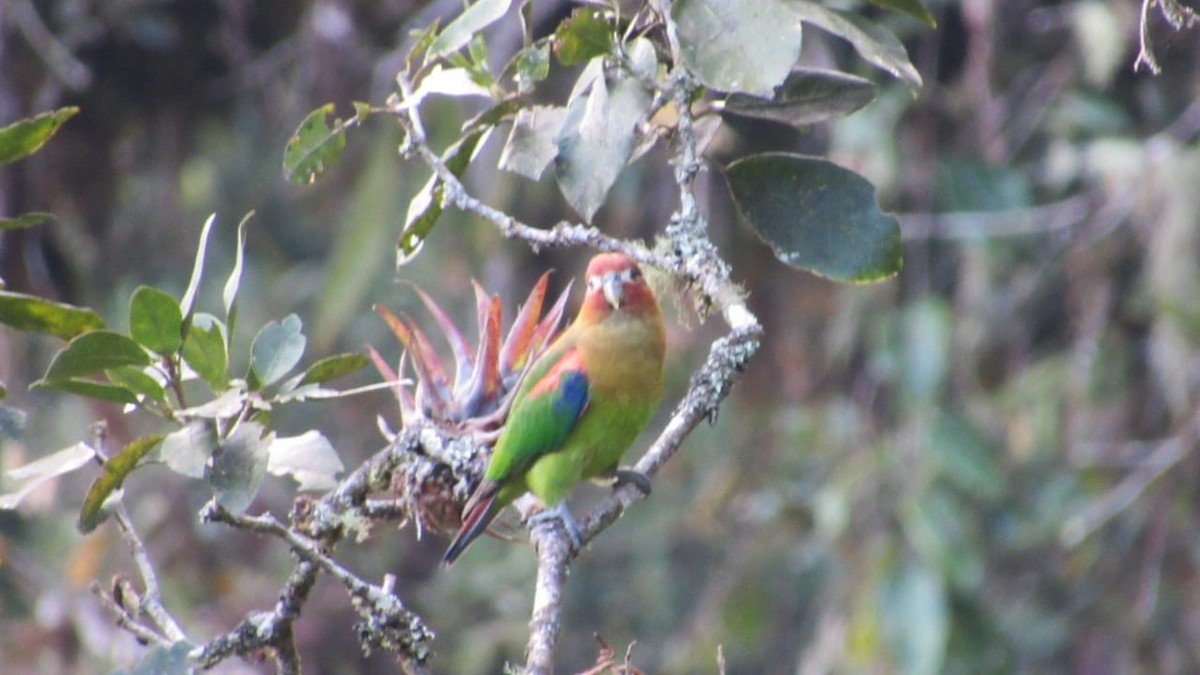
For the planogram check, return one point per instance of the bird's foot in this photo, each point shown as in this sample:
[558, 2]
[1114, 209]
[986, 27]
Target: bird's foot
[563, 516]
[635, 478]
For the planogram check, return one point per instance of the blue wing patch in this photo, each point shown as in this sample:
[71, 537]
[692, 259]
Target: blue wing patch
[572, 395]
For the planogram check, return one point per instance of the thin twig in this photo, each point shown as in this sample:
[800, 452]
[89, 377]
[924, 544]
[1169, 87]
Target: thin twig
[151, 601]
[126, 620]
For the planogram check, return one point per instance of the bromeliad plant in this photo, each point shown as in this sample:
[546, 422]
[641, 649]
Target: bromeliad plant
[483, 377]
[475, 400]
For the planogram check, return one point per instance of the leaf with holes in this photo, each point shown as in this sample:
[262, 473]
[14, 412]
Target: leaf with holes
[817, 216]
[315, 147]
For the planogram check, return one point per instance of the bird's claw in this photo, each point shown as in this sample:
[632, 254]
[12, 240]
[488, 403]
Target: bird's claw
[563, 516]
[635, 478]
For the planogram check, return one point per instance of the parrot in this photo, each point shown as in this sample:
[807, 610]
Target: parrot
[581, 404]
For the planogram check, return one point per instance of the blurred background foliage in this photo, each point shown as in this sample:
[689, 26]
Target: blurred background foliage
[985, 465]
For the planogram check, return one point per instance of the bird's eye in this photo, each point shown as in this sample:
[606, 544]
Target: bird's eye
[634, 274]
[593, 283]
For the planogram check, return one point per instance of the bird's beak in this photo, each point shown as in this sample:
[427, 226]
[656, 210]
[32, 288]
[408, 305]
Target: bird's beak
[613, 288]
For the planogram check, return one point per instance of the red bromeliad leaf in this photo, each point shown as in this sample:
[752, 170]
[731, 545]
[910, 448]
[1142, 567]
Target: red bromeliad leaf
[463, 363]
[381, 365]
[483, 391]
[515, 352]
[549, 325]
[434, 392]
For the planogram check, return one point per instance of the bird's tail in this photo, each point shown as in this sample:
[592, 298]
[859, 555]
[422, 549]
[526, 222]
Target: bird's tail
[480, 513]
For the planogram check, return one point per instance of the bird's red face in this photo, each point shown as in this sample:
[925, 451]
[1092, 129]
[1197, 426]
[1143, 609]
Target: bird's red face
[614, 281]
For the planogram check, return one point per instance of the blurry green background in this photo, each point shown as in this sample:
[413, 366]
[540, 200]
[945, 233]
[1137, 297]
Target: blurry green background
[986, 465]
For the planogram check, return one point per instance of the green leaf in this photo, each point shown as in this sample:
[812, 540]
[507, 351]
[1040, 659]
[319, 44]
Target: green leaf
[155, 320]
[101, 391]
[876, 44]
[187, 304]
[460, 31]
[24, 137]
[232, 284]
[95, 351]
[745, 46]
[333, 367]
[583, 36]
[915, 618]
[229, 293]
[38, 315]
[137, 381]
[204, 350]
[277, 349]
[116, 469]
[424, 38]
[426, 207]
[26, 220]
[238, 467]
[817, 216]
[314, 147]
[912, 8]
[598, 135]
[808, 96]
[187, 450]
[33, 474]
[532, 142]
[532, 65]
[309, 458]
